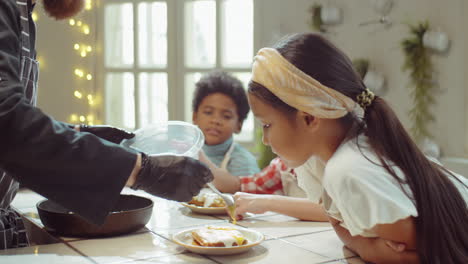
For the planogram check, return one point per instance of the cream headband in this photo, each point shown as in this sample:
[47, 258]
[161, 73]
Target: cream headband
[298, 89]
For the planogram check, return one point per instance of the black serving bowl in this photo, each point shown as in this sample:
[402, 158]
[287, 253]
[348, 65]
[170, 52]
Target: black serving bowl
[129, 214]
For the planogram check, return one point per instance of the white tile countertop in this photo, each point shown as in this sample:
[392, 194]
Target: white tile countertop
[287, 240]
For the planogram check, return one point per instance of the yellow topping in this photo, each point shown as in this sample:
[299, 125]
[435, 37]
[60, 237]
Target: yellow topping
[220, 228]
[232, 213]
[239, 240]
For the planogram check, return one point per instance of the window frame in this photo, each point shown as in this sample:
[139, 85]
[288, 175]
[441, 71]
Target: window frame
[175, 68]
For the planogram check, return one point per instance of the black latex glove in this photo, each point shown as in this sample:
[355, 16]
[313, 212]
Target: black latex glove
[109, 133]
[172, 177]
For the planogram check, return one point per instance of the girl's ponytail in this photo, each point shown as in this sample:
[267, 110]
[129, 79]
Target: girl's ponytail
[442, 222]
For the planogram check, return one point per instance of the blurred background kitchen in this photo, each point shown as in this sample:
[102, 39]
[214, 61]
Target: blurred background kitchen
[130, 63]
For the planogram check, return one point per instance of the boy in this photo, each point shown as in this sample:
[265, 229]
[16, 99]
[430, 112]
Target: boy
[219, 109]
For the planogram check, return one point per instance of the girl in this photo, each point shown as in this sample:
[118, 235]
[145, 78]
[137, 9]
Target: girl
[385, 199]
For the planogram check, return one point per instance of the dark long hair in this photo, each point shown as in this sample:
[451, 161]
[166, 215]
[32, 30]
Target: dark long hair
[442, 222]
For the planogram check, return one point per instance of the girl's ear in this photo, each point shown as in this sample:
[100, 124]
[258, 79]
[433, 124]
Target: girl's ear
[307, 120]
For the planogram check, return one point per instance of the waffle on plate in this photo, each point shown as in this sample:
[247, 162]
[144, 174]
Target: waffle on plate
[208, 200]
[218, 237]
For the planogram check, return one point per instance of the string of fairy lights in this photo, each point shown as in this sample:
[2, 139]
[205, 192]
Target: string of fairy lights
[83, 50]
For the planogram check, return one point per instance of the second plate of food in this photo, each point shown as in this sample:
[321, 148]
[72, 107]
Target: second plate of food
[207, 202]
[205, 210]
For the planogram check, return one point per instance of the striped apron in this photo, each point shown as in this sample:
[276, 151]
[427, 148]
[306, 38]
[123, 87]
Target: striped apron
[12, 230]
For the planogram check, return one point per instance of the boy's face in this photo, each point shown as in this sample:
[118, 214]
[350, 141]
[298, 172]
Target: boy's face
[217, 117]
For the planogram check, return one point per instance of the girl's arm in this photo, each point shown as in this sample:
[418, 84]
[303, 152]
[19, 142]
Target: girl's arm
[300, 208]
[402, 231]
[374, 250]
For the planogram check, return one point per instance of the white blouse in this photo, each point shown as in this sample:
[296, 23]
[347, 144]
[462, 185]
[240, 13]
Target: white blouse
[357, 191]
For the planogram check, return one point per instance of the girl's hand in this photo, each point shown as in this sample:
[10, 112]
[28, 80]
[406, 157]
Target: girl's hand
[398, 247]
[378, 251]
[375, 250]
[386, 251]
[253, 203]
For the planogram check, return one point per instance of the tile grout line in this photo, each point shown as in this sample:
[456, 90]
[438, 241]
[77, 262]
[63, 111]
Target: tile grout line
[332, 259]
[79, 252]
[304, 234]
[205, 256]
[67, 243]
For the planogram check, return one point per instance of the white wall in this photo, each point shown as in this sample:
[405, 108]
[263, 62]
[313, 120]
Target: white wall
[280, 17]
[382, 48]
[58, 59]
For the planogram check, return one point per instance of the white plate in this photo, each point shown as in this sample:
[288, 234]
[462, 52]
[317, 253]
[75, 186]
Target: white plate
[206, 210]
[184, 238]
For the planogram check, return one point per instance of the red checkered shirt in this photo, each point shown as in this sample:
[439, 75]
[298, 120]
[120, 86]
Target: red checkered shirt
[268, 181]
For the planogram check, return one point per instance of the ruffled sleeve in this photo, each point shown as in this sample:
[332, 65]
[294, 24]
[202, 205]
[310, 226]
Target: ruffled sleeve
[365, 195]
[309, 177]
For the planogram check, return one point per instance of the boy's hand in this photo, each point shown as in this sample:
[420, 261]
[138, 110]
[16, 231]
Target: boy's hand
[203, 158]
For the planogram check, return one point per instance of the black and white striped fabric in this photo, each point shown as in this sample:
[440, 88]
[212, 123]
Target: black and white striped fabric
[12, 231]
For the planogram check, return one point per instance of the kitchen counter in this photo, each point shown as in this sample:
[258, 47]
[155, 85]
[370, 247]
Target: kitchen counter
[287, 240]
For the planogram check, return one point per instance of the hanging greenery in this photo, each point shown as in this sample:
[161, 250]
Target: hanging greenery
[361, 66]
[316, 22]
[418, 63]
[265, 155]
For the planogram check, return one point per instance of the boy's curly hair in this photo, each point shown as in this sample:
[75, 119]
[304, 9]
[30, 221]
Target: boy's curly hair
[225, 83]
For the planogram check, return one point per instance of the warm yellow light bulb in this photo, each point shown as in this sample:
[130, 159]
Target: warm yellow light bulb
[83, 53]
[89, 49]
[78, 94]
[88, 5]
[90, 97]
[73, 117]
[79, 73]
[89, 77]
[72, 22]
[86, 30]
[82, 118]
[76, 46]
[34, 16]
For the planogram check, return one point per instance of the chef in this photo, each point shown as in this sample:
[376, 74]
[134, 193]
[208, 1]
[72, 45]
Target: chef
[82, 168]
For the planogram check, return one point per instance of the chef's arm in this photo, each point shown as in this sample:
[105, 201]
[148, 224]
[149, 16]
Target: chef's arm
[131, 180]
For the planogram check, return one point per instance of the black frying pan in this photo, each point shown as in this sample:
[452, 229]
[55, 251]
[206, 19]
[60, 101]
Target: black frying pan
[130, 214]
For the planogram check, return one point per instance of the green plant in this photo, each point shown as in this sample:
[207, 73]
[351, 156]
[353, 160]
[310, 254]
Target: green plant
[265, 155]
[361, 66]
[316, 22]
[418, 63]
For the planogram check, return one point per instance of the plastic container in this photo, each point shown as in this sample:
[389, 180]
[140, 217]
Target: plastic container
[169, 138]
